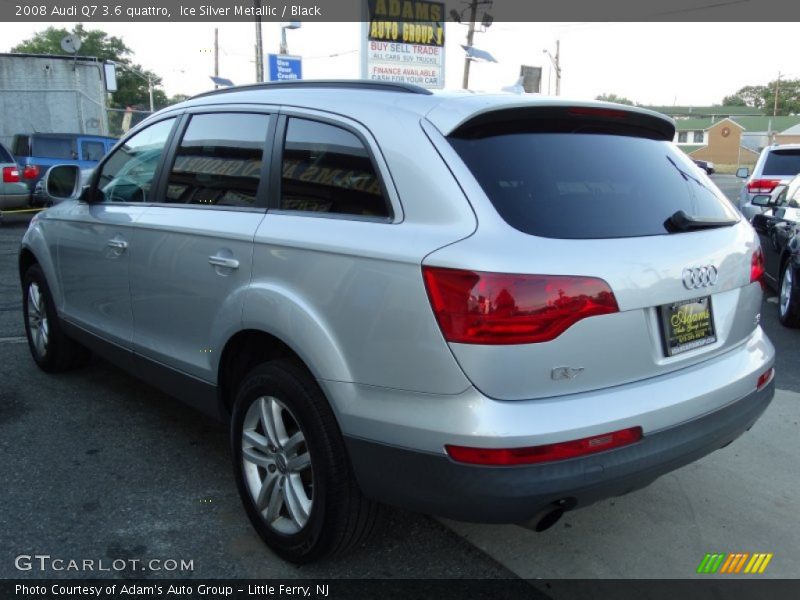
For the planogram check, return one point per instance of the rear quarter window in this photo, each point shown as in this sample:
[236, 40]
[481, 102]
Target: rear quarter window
[589, 185]
[5, 156]
[54, 147]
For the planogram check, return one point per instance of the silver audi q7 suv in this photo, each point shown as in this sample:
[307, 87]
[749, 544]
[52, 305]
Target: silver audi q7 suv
[492, 308]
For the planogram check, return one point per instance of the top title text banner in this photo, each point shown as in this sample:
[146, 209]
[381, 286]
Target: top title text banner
[88, 11]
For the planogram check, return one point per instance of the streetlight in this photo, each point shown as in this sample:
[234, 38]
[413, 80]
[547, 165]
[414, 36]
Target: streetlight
[556, 64]
[284, 27]
[148, 78]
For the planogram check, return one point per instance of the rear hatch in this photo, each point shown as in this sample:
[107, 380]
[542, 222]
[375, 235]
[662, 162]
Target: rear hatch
[602, 256]
[780, 167]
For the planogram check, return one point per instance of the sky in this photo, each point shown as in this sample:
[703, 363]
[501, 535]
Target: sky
[649, 63]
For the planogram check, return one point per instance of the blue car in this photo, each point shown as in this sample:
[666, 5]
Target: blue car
[35, 153]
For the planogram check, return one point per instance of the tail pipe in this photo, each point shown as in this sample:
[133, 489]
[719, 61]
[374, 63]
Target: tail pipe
[549, 515]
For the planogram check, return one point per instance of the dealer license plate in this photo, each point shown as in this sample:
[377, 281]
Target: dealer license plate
[687, 325]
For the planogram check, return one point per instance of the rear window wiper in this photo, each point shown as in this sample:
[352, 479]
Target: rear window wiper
[680, 221]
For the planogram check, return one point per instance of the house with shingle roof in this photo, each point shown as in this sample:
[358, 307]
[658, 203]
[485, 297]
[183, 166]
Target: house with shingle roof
[737, 139]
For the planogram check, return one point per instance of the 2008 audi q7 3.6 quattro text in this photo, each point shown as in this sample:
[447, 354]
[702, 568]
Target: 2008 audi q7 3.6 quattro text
[492, 308]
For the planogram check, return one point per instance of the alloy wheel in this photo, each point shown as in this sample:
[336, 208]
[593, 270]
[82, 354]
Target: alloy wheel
[277, 465]
[37, 319]
[786, 291]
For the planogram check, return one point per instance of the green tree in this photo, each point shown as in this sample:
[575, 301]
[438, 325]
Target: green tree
[614, 98]
[763, 97]
[132, 89]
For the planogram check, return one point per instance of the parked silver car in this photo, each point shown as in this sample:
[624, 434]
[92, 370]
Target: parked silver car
[14, 193]
[493, 308]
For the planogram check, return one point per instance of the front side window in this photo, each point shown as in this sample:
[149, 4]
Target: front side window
[127, 175]
[219, 159]
[328, 169]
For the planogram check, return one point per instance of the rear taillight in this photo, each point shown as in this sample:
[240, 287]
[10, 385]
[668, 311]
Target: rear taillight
[757, 266]
[10, 175]
[472, 307]
[506, 457]
[31, 172]
[762, 186]
[765, 378]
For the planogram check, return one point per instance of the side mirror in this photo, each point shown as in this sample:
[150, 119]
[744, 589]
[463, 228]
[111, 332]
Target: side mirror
[761, 200]
[743, 172]
[63, 182]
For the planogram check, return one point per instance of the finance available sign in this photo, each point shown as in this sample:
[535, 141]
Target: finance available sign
[403, 41]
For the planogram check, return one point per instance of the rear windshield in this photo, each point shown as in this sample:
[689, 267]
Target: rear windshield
[589, 185]
[5, 157]
[782, 162]
[54, 147]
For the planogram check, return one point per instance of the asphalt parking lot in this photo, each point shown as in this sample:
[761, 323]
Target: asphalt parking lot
[98, 465]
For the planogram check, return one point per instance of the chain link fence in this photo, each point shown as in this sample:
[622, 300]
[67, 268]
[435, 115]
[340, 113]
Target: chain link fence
[121, 120]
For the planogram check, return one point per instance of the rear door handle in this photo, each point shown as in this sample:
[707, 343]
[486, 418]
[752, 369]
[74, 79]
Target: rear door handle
[117, 244]
[220, 261]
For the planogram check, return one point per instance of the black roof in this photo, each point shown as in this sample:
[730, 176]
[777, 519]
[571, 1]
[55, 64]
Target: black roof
[344, 84]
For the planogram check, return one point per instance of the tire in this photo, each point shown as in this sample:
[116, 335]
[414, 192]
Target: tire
[291, 466]
[50, 348]
[788, 297]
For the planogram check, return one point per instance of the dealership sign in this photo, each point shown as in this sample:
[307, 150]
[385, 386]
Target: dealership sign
[403, 41]
[284, 68]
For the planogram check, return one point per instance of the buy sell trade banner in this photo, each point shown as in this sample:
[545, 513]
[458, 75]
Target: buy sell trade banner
[403, 41]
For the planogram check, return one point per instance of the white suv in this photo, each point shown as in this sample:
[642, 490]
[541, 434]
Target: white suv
[776, 165]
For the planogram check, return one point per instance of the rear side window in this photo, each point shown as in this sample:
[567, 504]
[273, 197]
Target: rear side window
[92, 150]
[782, 162]
[328, 169]
[5, 157]
[219, 159]
[54, 147]
[589, 185]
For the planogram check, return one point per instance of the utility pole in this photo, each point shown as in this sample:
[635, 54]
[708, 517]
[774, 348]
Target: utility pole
[777, 87]
[558, 67]
[473, 11]
[556, 60]
[216, 54]
[259, 44]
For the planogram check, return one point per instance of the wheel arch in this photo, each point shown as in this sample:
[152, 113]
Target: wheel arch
[243, 351]
[26, 259]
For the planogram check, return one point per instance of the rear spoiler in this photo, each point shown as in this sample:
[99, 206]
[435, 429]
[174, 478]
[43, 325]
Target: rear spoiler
[481, 115]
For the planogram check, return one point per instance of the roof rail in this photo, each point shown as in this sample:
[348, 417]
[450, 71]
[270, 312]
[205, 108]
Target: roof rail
[348, 84]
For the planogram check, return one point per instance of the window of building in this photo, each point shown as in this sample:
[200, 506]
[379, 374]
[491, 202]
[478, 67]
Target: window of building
[698, 137]
[682, 137]
[327, 169]
[218, 162]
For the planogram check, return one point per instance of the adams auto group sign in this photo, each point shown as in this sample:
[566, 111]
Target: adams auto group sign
[403, 41]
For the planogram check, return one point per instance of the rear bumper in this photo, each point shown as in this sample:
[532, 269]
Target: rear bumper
[434, 484]
[14, 201]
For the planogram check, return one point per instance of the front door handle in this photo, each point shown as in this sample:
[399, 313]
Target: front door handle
[221, 261]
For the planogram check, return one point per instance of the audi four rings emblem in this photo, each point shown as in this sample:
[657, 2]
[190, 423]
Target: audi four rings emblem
[699, 277]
